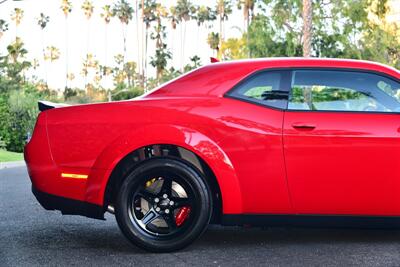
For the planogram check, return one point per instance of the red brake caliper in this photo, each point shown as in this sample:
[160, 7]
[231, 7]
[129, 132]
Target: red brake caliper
[182, 215]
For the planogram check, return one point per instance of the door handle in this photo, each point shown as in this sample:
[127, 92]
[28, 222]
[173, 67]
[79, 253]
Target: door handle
[303, 126]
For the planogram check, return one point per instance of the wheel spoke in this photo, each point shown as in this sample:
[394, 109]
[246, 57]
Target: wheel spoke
[148, 196]
[167, 186]
[150, 216]
[170, 220]
[182, 202]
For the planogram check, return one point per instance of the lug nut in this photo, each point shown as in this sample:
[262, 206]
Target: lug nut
[158, 209]
[171, 203]
[167, 211]
[156, 200]
[165, 196]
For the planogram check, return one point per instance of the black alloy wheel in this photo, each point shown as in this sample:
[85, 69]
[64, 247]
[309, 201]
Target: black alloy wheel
[163, 205]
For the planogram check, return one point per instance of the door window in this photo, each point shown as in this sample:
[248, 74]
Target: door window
[326, 90]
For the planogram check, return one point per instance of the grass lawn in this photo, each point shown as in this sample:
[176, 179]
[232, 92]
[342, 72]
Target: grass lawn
[10, 156]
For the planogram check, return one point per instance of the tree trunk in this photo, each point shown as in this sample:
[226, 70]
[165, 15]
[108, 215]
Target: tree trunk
[247, 25]
[66, 54]
[307, 27]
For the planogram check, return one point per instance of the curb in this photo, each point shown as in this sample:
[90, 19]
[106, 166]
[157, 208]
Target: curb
[11, 164]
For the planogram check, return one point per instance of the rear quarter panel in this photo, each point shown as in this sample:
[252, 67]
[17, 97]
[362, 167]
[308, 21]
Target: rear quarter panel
[241, 142]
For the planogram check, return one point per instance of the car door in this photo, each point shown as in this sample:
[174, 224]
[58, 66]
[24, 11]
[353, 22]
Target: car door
[253, 140]
[342, 143]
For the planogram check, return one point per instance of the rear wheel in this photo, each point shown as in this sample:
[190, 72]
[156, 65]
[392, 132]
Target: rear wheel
[163, 205]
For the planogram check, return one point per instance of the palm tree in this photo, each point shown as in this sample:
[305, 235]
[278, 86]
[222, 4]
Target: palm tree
[160, 60]
[3, 27]
[66, 8]
[307, 27]
[194, 63]
[88, 63]
[16, 50]
[42, 21]
[213, 41]
[223, 9]
[148, 16]
[248, 12]
[17, 16]
[124, 12]
[106, 15]
[52, 54]
[203, 16]
[88, 9]
[184, 11]
[173, 17]
[130, 71]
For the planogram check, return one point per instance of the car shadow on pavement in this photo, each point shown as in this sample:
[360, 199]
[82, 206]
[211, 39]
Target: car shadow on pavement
[109, 238]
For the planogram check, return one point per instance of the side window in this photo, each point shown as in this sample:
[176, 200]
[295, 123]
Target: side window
[269, 88]
[327, 90]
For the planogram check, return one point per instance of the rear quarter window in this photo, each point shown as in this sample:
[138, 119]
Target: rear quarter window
[269, 88]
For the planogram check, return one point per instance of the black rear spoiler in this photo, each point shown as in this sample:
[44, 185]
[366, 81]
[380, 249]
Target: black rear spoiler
[45, 105]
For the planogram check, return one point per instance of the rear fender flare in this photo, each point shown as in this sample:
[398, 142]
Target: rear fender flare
[192, 140]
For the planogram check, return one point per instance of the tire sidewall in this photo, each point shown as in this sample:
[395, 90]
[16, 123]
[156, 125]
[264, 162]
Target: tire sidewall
[191, 176]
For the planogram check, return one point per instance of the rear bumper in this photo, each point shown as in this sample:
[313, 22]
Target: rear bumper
[68, 206]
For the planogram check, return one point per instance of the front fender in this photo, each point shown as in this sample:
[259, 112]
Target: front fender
[190, 139]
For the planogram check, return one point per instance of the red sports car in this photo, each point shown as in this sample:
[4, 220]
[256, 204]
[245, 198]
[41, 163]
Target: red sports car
[269, 141]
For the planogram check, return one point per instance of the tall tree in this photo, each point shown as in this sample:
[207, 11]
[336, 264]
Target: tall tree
[173, 19]
[42, 21]
[16, 50]
[248, 11]
[66, 8]
[52, 53]
[184, 10]
[106, 15]
[88, 64]
[124, 12]
[160, 60]
[17, 17]
[148, 16]
[12, 66]
[307, 27]
[223, 9]
[88, 9]
[213, 41]
[203, 16]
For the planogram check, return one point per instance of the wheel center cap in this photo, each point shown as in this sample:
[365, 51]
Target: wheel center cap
[164, 203]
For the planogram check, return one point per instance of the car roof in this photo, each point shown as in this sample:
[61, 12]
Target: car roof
[218, 78]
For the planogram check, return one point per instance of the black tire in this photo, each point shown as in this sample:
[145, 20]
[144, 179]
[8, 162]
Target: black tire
[134, 190]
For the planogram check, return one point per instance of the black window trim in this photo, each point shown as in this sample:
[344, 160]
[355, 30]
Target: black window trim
[228, 94]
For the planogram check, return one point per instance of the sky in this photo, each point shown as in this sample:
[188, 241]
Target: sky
[79, 44]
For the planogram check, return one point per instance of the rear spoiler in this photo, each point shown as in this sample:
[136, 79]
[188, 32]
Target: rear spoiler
[45, 105]
[214, 60]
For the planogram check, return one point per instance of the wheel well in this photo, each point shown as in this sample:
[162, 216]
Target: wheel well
[133, 159]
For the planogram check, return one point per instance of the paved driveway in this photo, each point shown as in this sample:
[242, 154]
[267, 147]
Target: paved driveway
[31, 236]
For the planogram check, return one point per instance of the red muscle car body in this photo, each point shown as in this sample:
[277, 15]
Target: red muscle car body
[274, 139]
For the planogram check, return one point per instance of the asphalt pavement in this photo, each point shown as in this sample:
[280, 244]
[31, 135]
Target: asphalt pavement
[32, 236]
